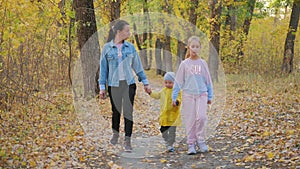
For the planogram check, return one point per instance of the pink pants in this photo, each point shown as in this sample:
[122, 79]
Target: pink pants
[194, 116]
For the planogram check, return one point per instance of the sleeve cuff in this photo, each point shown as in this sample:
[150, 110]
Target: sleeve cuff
[102, 87]
[145, 82]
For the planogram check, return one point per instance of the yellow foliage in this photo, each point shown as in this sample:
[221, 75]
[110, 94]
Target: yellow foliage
[163, 160]
[32, 163]
[270, 155]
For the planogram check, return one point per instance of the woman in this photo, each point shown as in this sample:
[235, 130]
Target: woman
[117, 61]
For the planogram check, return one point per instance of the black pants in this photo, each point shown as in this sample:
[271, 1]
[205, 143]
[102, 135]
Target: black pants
[169, 134]
[121, 99]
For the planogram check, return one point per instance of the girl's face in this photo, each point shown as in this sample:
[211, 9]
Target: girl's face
[195, 48]
[124, 33]
[169, 84]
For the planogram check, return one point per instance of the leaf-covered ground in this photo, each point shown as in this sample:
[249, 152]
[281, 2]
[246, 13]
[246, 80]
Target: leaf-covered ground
[259, 128]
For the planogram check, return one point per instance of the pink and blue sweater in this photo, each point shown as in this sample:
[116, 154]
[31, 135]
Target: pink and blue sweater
[193, 77]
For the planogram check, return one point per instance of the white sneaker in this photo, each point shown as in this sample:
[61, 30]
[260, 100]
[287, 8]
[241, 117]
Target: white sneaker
[191, 149]
[202, 147]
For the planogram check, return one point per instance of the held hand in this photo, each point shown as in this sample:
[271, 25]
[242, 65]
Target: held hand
[102, 94]
[174, 103]
[209, 105]
[147, 89]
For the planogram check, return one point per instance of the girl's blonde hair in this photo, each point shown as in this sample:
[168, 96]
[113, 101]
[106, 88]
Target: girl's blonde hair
[192, 38]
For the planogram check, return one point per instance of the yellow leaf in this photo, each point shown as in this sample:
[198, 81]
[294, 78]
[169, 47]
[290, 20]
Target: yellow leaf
[23, 164]
[163, 160]
[111, 163]
[270, 155]
[249, 158]
[266, 134]
[32, 164]
[2, 153]
[291, 132]
[82, 159]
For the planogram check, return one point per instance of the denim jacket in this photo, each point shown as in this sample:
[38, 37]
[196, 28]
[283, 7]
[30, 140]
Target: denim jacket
[109, 65]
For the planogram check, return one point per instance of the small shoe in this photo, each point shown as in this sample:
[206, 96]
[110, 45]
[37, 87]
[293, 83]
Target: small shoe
[191, 150]
[202, 147]
[171, 149]
[114, 139]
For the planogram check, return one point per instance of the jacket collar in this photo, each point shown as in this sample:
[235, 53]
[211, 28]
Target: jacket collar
[111, 43]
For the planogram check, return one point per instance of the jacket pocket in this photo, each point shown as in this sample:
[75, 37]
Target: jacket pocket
[112, 61]
[129, 59]
[110, 58]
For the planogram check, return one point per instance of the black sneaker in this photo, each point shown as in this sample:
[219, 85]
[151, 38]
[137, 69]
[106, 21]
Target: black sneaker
[114, 139]
[127, 144]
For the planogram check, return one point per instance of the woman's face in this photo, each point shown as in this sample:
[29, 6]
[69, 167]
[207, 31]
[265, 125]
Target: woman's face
[124, 33]
[195, 48]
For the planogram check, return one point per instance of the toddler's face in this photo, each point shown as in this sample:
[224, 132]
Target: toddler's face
[169, 84]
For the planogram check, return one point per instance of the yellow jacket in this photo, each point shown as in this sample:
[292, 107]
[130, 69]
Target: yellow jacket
[169, 115]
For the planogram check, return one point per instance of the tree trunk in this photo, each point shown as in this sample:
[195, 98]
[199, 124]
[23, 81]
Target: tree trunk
[181, 51]
[167, 51]
[287, 65]
[181, 46]
[158, 47]
[231, 20]
[167, 56]
[115, 10]
[247, 22]
[88, 44]
[150, 35]
[144, 37]
[136, 37]
[193, 16]
[214, 48]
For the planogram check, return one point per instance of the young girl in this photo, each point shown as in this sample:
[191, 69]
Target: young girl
[194, 79]
[169, 115]
[117, 61]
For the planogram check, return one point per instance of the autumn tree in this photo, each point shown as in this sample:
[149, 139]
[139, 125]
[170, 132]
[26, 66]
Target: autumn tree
[231, 17]
[214, 46]
[287, 65]
[115, 10]
[246, 26]
[167, 55]
[158, 61]
[88, 44]
[193, 15]
[141, 40]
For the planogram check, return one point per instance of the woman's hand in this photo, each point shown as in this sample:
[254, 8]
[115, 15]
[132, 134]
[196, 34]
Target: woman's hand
[147, 89]
[102, 94]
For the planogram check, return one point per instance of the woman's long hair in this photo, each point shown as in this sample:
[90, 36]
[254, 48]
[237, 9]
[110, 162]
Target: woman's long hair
[192, 38]
[115, 26]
